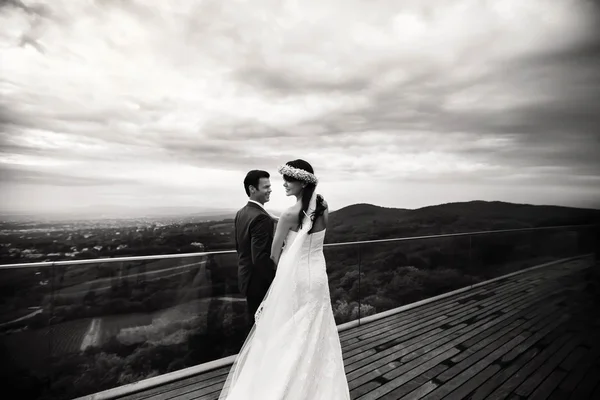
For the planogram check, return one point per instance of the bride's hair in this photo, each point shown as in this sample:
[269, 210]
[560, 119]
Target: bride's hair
[307, 192]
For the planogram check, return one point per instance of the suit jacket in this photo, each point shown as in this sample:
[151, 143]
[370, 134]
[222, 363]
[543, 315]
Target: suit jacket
[253, 239]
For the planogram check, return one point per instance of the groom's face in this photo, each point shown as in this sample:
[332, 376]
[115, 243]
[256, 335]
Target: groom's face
[262, 193]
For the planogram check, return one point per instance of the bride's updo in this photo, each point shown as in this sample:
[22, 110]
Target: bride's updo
[302, 171]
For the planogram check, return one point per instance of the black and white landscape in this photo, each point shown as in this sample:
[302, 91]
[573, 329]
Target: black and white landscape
[127, 127]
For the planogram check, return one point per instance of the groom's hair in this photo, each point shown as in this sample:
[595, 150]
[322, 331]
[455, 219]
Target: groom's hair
[252, 179]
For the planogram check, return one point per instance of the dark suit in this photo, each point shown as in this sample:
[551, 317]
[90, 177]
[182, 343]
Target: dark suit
[253, 239]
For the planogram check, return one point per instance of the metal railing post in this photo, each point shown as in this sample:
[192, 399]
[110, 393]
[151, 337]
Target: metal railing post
[359, 283]
[51, 317]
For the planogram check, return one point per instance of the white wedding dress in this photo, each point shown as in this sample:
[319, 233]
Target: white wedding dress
[293, 351]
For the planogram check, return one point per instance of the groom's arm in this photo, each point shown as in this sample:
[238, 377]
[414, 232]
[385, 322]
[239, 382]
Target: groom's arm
[261, 231]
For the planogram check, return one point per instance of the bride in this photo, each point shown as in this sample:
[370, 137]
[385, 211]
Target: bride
[293, 351]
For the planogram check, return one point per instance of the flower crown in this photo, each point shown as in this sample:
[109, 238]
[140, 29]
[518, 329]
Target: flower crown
[298, 173]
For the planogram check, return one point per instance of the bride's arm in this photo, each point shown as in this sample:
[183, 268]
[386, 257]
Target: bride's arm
[286, 222]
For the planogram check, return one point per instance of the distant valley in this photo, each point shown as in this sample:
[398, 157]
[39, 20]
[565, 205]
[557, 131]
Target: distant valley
[26, 240]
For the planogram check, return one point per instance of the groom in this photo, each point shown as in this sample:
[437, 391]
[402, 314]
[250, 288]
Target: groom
[254, 228]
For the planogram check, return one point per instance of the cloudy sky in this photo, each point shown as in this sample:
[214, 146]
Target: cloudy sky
[409, 103]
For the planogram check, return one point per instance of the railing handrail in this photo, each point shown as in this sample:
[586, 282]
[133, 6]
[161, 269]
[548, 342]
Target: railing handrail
[207, 253]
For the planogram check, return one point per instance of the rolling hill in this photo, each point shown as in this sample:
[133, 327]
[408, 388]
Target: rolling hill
[368, 222]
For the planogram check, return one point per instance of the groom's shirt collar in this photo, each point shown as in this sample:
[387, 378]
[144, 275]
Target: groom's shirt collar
[256, 202]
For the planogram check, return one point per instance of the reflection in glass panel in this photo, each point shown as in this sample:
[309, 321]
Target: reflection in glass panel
[119, 322]
[402, 272]
[26, 334]
[497, 254]
[343, 275]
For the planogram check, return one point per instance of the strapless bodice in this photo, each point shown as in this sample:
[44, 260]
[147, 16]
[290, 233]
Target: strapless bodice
[313, 243]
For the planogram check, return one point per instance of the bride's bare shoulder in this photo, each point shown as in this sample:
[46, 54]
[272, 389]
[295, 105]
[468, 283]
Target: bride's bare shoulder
[291, 214]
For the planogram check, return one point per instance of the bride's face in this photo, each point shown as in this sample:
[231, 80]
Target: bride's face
[293, 188]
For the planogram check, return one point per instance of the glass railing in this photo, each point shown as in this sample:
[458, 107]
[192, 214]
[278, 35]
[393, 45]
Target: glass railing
[74, 328]
[394, 273]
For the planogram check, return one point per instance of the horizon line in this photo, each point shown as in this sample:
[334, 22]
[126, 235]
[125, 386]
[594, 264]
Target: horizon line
[152, 212]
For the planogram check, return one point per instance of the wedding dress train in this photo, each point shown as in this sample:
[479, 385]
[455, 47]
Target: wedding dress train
[293, 351]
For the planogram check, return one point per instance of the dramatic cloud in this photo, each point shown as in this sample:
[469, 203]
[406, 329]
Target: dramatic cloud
[395, 103]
